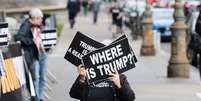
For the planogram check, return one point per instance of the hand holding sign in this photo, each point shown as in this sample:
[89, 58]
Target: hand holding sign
[82, 71]
[115, 79]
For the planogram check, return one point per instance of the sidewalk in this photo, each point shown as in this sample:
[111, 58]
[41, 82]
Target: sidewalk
[148, 79]
[151, 83]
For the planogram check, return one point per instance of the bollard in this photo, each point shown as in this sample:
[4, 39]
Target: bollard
[147, 47]
[178, 64]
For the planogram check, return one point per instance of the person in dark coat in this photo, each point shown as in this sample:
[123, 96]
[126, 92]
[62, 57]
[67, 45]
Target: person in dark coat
[85, 7]
[198, 32]
[96, 8]
[29, 35]
[115, 88]
[117, 18]
[73, 7]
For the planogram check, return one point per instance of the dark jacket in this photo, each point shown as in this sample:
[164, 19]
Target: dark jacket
[125, 93]
[116, 11]
[73, 6]
[198, 25]
[25, 36]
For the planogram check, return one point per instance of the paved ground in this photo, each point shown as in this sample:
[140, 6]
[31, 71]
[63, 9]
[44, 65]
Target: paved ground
[148, 79]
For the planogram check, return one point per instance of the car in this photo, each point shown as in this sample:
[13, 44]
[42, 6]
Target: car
[162, 20]
[134, 5]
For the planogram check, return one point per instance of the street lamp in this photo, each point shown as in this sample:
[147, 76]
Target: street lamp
[178, 63]
[147, 48]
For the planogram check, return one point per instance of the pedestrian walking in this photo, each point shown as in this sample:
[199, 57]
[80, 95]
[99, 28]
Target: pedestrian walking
[73, 7]
[115, 88]
[85, 7]
[117, 16]
[96, 8]
[30, 36]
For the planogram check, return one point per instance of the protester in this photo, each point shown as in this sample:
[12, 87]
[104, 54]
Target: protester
[117, 15]
[30, 36]
[115, 88]
[85, 7]
[96, 8]
[198, 32]
[73, 7]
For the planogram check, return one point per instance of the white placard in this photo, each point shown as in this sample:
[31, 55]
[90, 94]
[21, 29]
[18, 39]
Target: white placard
[49, 36]
[49, 42]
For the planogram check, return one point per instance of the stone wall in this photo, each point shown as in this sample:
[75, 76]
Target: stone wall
[4, 4]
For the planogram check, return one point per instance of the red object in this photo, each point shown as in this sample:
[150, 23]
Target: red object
[151, 1]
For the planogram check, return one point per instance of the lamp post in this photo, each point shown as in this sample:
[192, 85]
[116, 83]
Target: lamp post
[178, 63]
[147, 48]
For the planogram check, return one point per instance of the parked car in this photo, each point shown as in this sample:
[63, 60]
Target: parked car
[162, 20]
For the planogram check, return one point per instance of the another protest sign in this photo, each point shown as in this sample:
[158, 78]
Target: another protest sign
[49, 38]
[114, 57]
[80, 46]
[3, 34]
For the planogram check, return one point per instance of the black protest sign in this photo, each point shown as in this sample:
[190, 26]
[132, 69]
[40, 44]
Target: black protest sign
[106, 60]
[120, 38]
[133, 54]
[80, 46]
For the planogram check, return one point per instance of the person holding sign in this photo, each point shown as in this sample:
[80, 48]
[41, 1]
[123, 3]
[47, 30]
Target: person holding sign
[114, 88]
[29, 35]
